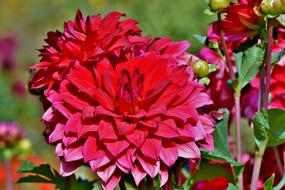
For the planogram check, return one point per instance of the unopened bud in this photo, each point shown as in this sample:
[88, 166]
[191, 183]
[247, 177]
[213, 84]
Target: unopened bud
[274, 7]
[201, 68]
[216, 5]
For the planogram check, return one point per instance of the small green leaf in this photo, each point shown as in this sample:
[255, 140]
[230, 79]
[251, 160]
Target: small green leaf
[268, 185]
[33, 179]
[212, 68]
[281, 19]
[238, 58]
[252, 59]
[269, 128]
[26, 166]
[202, 39]
[261, 128]
[232, 187]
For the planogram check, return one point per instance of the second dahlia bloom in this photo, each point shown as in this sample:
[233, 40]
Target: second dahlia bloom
[137, 117]
[243, 21]
[84, 41]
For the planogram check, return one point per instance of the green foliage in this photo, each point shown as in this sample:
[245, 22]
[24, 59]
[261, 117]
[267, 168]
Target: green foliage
[222, 148]
[44, 174]
[232, 187]
[269, 128]
[268, 185]
[252, 59]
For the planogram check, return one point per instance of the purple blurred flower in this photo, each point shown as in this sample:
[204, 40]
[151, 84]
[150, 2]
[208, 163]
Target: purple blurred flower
[9, 132]
[8, 47]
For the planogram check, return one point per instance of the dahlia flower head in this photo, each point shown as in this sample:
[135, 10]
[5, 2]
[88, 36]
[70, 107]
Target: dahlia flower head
[9, 133]
[119, 102]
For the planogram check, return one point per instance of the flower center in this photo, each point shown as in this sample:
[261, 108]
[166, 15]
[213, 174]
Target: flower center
[129, 88]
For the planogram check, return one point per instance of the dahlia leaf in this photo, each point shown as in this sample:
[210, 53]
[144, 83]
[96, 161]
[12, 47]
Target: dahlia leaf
[276, 57]
[222, 148]
[216, 170]
[33, 179]
[251, 61]
[269, 128]
[268, 185]
[43, 169]
[201, 39]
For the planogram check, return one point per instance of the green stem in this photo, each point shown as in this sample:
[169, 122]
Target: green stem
[278, 161]
[256, 168]
[122, 185]
[8, 174]
[280, 184]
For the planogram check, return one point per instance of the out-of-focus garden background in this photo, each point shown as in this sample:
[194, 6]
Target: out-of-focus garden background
[23, 28]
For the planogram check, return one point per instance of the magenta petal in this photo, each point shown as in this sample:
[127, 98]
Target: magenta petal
[106, 131]
[117, 147]
[91, 151]
[72, 123]
[126, 159]
[106, 172]
[113, 182]
[163, 172]
[167, 129]
[68, 168]
[137, 137]
[102, 161]
[138, 174]
[59, 150]
[151, 148]
[125, 128]
[151, 168]
[57, 133]
[168, 153]
[189, 150]
[73, 154]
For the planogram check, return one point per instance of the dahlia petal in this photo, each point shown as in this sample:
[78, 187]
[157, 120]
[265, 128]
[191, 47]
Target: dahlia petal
[59, 150]
[106, 172]
[91, 150]
[102, 161]
[167, 129]
[138, 174]
[151, 168]
[153, 111]
[57, 133]
[168, 153]
[151, 148]
[106, 131]
[73, 154]
[117, 147]
[68, 168]
[183, 112]
[177, 48]
[193, 132]
[137, 137]
[125, 128]
[103, 98]
[84, 130]
[48, 115]
[69, 140]
[189, 150]
[163, 172]
[126, 159]
[113, 182]
[72, 123]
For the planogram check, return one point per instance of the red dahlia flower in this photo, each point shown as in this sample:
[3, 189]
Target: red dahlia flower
[138, 116]
[243, 21]
[85, 41]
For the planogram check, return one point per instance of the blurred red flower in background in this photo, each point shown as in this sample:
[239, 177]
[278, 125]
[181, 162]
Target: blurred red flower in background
[8, 47]
[119, 102]
[218, 183]
[9, 132]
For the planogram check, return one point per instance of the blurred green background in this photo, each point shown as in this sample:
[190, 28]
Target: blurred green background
[28, 21]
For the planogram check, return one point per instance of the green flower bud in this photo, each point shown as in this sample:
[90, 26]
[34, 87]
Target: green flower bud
[274, 7]
[216, 5]
[201, 68]
[24, 147]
